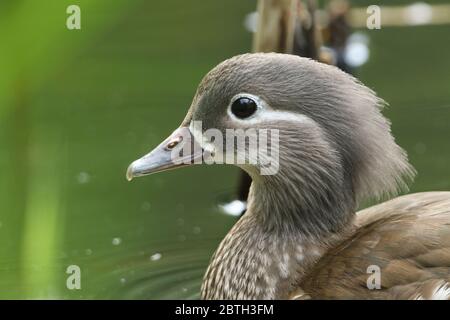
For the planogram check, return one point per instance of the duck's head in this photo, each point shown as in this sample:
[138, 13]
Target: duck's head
[334, 146]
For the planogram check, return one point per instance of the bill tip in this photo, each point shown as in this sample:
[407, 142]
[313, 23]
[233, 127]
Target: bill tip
[129, 174]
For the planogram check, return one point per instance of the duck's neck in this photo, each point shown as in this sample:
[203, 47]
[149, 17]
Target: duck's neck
[284, 232]
[254, 263]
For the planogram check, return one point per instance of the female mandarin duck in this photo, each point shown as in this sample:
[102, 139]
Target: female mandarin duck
[301, 236]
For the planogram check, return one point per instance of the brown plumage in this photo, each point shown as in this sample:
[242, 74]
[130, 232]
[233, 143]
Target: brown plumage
[301, 237]
[408, 238]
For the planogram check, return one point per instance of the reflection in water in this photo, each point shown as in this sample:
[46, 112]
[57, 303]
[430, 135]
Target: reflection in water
[173, 273]
[234, 208]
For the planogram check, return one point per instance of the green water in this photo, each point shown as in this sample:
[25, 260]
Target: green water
[76, 107]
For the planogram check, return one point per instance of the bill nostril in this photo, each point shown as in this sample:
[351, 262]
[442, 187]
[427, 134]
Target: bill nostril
[172, 144]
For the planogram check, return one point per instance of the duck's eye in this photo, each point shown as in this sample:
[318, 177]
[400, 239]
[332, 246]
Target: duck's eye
[243, 107]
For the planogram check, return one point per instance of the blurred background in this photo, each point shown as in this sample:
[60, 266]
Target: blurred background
[77, 106]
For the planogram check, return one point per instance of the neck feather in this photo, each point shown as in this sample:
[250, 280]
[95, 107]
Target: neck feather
[288, 226]
[311, 194]
[253, 262]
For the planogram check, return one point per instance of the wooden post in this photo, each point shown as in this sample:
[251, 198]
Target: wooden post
[276, 26]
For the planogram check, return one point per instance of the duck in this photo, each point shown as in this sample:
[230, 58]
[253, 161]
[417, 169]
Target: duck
[302, 236]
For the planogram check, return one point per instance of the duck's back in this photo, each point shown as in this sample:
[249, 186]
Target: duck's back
[406, 239]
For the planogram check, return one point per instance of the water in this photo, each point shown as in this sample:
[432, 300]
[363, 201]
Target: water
[113, 93]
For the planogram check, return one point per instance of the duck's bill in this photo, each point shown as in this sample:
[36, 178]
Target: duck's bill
[178, 150]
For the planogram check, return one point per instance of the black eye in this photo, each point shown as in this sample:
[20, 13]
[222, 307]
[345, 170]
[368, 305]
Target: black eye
[243, 107]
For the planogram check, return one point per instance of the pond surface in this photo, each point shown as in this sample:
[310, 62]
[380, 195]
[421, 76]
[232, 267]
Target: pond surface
[67, 139]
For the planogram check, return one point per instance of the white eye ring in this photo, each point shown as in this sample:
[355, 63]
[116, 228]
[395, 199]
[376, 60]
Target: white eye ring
[260, 104]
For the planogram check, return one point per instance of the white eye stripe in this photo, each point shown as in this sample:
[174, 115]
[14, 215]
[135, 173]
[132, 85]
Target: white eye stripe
[273, 115]
[264, 112]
